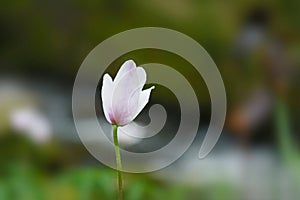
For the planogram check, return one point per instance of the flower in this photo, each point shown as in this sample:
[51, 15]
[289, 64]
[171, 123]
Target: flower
[123, 98]
[32, 123]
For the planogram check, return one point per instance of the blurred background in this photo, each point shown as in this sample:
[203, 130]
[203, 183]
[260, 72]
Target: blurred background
[256, 46]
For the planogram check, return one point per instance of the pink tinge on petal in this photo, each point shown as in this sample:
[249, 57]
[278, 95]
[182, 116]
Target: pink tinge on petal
[111, 118]
[123, 99]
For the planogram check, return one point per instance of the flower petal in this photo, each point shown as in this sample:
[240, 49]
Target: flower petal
[141, 76]
[134, 95]
[126, 67]
[106, 95]
[142, 102]
[124, 97]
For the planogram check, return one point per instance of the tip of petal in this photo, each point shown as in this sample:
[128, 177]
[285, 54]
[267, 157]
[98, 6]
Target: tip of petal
[150, 88]
[107, 76]
[131, 62]
[124, 69]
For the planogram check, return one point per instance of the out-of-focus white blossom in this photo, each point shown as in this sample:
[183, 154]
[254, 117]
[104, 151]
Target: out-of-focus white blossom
[31, 122]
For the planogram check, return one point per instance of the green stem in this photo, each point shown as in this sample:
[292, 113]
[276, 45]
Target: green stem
[119, 166]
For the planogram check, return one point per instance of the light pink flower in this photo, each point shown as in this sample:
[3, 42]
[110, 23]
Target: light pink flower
[32, 123]
[123, 98]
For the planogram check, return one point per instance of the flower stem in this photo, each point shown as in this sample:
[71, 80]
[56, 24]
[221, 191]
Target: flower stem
[119, 166]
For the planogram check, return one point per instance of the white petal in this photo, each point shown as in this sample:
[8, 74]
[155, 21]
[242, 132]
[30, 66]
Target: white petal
[133, 98]
[142, 102]
[141, 76]
[126, 95]
[126, 67]
[106, 95]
